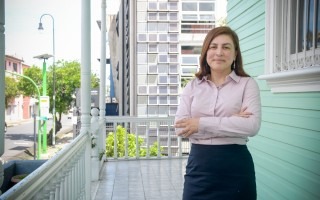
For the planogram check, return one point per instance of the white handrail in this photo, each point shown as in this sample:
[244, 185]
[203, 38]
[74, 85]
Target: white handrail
[62, 177]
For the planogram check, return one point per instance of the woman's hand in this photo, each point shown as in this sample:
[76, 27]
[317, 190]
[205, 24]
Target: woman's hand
[187, 126]
[243, 113]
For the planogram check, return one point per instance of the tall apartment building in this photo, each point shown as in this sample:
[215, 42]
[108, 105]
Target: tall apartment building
[155, 46]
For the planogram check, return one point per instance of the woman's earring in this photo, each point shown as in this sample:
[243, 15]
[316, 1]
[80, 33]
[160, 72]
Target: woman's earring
[233, 66]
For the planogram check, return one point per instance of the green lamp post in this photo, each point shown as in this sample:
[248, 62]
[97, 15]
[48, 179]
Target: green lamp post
[44, 101]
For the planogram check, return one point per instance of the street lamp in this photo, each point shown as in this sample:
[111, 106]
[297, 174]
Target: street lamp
[44, 99]
[54, 77]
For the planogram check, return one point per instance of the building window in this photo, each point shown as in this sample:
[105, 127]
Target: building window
[173, 58]
[173, 6]
[152, 110]
[142, 48]
[163, 68]
[163, 27]
[188, 70]
[141, 6]
[172, 110]
[197, 17]
[153, 89]
[153, 48]
[190, 49]
[173, 69]
[142, 110]
[153, 37]
[142, 80]
[173, 48]
[142, 89]
[152, 27]
[153, 100]
[173, 79]
[152, 58]
[152, 79]
[173, 89]
[293, 47]
[142, 69]
[152, 6]
[142, 100]
[163, 37]
[152, 16]
[173, 16]
[206, 6]
[142, 58]
[190, 59]
[173, 100]
[142, 37]
[163, 16]
[142, 27]
[141, 16]
[163, 89]
[173, 37]
[163, 79]
[153, 69]
[163, 100]
[163, 110]
[189, 6]
[15, 67]
[163, 58]
[173, 27]
[163, 48]
[163, 6]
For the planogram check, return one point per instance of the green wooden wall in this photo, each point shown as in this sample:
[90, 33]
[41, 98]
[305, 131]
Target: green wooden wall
[286, 151]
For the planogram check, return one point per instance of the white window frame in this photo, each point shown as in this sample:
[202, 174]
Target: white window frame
[303, 79]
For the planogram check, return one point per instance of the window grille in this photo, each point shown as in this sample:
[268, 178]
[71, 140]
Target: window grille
[292, 61]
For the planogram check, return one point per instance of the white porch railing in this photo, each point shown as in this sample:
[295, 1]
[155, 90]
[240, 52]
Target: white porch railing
[62, 177]
[149, 133]
[69, 174]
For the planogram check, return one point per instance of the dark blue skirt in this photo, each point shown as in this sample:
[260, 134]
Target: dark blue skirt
[219, 172]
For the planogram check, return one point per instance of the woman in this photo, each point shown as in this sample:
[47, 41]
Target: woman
[218, 111]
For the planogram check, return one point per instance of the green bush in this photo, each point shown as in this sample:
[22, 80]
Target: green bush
[121, 138]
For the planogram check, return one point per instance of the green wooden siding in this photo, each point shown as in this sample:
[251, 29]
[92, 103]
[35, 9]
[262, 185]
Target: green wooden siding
[286, 151]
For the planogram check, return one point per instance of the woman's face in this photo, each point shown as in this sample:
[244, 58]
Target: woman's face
[221, 54]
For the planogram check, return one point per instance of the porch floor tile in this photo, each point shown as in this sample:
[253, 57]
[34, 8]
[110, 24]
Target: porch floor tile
[141, 180]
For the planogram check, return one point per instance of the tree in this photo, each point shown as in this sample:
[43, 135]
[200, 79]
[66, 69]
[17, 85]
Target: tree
[25, 86]
[132, 146]
[11, 90]
[67, 79]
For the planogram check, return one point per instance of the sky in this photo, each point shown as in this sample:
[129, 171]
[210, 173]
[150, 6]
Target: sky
[23, 39]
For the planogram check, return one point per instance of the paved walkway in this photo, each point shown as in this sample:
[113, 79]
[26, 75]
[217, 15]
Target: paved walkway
[63, 137]
[141, 180]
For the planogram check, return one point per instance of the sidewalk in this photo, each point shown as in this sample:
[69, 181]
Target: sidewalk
[11, 123]
[63, 137]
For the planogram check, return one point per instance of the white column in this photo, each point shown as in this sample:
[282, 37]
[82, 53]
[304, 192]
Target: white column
[102, 100]
[86, 86]
[2, 82]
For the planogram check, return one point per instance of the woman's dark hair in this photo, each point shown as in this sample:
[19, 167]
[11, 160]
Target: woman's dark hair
[237, 66]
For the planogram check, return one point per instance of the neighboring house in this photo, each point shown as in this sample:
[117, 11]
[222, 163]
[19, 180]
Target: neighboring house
[28, 103]
[284, 58]
[20, 107]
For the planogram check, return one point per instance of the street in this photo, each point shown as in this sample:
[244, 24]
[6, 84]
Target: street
[20, 137]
